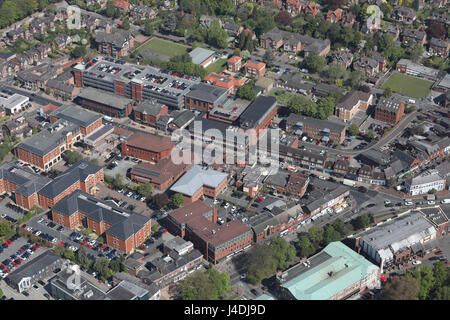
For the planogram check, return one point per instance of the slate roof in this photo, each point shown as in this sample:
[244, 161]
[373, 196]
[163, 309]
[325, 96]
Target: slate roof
[27, 180]
[123, 223]
[77, 172]
[76, 115]
[257, 111]
[206, 92]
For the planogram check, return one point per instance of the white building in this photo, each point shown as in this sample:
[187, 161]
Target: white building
[425, 182]
[384, 241]
[14, 103]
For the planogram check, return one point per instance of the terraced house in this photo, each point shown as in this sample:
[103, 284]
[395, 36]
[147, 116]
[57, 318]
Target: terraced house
[124, 230]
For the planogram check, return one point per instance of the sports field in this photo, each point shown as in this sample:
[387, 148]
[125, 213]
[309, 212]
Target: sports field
[163, 47]
[408, 85]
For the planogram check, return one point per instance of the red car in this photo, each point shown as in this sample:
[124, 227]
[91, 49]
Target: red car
[164, 231]
[61, 243]
[102, 247]
[438, 252]
[89, 246]
[21, 250]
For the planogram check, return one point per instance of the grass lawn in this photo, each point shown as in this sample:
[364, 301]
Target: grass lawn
[217, 66]
[408, 85]
[281, 96]
[163, 47]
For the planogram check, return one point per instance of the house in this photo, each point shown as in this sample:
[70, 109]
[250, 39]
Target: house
[393, 30]
[205, 97]
[259, 114]
[122, 5]
[310, 8]
[294, 7]
[198, 182]
[143, 12]
[294, 82]
[117, 43]
[255, 69]
[403, 14]
[232, 29]
[334, 16]
[353, 101]
[316, 128]
[62, 40]
[234, 64]
[19, 32]
[369, 66]
[124, 230]
[413, 36]
[103, 102]
[343, 57]
[439, 47]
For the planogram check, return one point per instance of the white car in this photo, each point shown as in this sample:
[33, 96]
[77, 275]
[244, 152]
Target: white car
[387, 202]
[38, 233]
[3, 215]
[29, 229]
[55, 240]
[216, 201]
[129, 194]
[142, 199]
[233, 208]
[4, 275]
[431, 202]
[226, 205]
[408, 203]
[417, 262]
[40, 220]
[322, 178]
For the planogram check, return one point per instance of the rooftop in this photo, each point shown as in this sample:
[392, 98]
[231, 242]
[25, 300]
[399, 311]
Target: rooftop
[150, 142]
[104, 97]
[199, 55]
[76, 115]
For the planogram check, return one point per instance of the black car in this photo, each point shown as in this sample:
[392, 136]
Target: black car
[51, 225]
[362, 189]
[370, 205]
[26, 294]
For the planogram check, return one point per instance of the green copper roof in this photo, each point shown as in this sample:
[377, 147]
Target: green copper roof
[264, 297]
[344, 268]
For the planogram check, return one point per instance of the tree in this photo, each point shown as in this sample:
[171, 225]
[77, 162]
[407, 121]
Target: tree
[305, 247]
[371, 135]
[315, 234]
[259, 263]
[356, 78]
[1, 293]
[325, 107]
[5, 228]
[387, 93]
[145, 190]
[436, 29]
[330, 235]
[126, 24]
[297, 104]
[72, 156]
[353, 129]
[284, 18]
[81, 257]
[246, 92]
[101, 266]
[401, 288]
[284, 252]
[314, 62]
[339, 226]
[170, 24]
[209, 285]
[118, 181]
[110, 9]
[361, 222]
[177, 200]
[418, 130]
[335, 71]
[69, 254]
[268, 58]
[148, 28]
[160, 200]
[78, 52]
[216, 35]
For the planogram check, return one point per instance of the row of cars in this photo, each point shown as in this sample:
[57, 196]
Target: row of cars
[9, 265]
[103, 249]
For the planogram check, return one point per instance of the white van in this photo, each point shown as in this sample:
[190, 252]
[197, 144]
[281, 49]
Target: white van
[412, 101]
[445, 201]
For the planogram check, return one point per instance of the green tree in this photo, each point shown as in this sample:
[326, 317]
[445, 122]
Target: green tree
[118, 181]
[330, 235]
[305, 247]
[284, 252]
[78, 52]
[315, 234]
[101, 266]
[216, 35]
[339, 226]
[5, 228]
[72, 156]
[81, 257]
[177, 200]
[268, 58]
[1, 293]
[148, 28]
[401, 288]
[246, 92]
[325, 107]
[298, 104]
[335, 71]
[259, 263]
[314, 62]
[371, 135]
[126, 24]
[145, 190]
[387, 93]
[110, 9]
[356, 78]
[69, 254]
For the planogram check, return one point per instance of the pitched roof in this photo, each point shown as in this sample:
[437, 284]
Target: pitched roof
[150, 142]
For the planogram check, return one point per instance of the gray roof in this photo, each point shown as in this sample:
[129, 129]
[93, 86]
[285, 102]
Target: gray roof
[257, 111]
[183, 117]
[61, 86]
[34, 267]
[280, 179]
[27, 180]
[197, 177]
[199, 55]
[49, 138]
[104, 97]
[76, 115]
[118, 37]
[150, 107]
[425, 178]
[77, 172]
[331, 195]
[207, 92]
[123, 223]
[323, 124]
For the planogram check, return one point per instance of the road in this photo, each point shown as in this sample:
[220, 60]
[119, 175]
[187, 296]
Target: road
[36, 98]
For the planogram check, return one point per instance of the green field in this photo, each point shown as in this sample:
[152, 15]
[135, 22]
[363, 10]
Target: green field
[217, 66]
[408, 85]
[163, 47]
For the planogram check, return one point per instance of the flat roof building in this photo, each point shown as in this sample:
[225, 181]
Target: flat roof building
[14, 103]
[202, 56]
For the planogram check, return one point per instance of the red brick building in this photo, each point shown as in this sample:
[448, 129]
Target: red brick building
[234, 64]
[224, 81]
[147, 147]
[148, 112]
[255, 69]
[160, 175]
[44, 149]
[198, 182]
[204, 97]
[124, 230]
[389, 111]
[88, 121]
[82, 176]
[197, 223]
